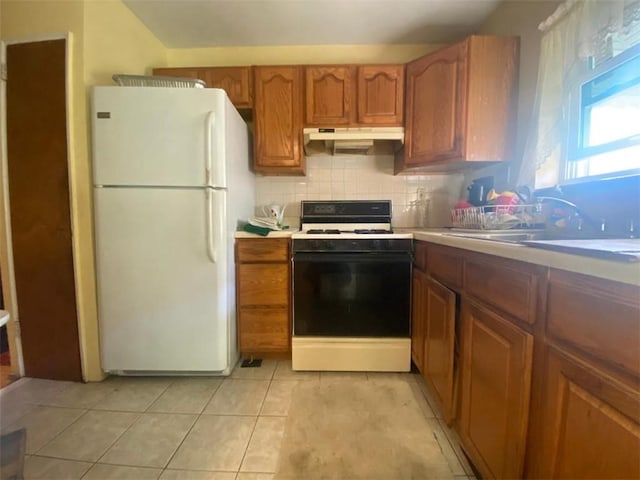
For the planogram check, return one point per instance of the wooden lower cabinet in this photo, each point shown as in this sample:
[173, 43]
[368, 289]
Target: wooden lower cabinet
[495, 390]
[439, 345]
[418, 318]
[263, 279]
[590, 423]
[568, 409]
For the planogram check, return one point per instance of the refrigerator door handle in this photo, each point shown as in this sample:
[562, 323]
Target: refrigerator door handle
[210, 124]
[211, 253]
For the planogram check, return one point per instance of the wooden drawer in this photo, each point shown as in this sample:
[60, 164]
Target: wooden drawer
[505, 284]
[445, 264]
[262, 250]
[264, 330]
[263, 284]
[420, 255]
[596, 316]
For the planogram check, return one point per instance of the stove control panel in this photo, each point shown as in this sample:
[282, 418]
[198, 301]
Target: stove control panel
[352, 245]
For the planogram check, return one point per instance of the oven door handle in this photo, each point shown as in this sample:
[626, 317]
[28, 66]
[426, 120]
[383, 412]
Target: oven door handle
[356, 257]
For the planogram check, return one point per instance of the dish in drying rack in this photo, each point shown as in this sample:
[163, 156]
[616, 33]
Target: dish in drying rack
[498, 217]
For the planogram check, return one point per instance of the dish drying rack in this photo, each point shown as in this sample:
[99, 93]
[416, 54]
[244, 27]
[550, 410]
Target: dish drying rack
[156, 81]
[499, 217]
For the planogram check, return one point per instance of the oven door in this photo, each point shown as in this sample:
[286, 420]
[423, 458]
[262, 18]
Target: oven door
[351, 294]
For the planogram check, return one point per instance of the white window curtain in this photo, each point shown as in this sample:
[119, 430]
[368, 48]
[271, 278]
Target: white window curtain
[576, 32]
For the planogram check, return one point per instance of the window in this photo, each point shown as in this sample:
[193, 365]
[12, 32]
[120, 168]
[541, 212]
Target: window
[586, 117]
[605, 119]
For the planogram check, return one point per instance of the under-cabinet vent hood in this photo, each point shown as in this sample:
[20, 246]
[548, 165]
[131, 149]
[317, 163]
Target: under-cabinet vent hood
[360, 141]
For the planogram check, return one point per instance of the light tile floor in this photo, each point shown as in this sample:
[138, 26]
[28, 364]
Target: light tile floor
[173, 428]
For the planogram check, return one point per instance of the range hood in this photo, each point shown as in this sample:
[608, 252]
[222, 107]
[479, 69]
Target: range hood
[357, 140]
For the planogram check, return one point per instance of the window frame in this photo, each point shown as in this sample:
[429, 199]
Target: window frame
[574, 152]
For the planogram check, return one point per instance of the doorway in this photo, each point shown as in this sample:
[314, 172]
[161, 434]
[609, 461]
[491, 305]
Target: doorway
[39, 209]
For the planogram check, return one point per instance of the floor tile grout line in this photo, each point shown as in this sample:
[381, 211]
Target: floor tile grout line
[199, 416]
[246, 448]
[270, 382]
[181, 442]
[173, 381]
[217, 389]
[443, 427]
[61, 432]
[255, 425]
[120, 436]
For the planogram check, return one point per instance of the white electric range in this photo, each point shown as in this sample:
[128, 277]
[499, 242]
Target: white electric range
[351, 288]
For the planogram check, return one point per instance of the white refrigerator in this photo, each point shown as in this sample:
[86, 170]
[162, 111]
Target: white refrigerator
[171, 181]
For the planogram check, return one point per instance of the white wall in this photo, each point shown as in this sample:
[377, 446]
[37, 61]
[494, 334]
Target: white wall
[360, 177]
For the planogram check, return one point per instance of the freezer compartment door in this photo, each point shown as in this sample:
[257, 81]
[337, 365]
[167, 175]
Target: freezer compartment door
[158, 136]
[162, 285]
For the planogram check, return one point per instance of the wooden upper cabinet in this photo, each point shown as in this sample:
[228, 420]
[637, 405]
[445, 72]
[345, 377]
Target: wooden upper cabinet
[236, 81]
[353, 95]
[181, 72]
[435, 104]
[278, 120]
[329, 99]
[461, 105]
[380, 95]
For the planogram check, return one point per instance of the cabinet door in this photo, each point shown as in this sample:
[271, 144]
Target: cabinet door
[417, 318]
[435, 106]
[496, 382]
[381, 95]
[439, 345]
[236, 81]
[591, 423]
[329, 96]
[278, 120]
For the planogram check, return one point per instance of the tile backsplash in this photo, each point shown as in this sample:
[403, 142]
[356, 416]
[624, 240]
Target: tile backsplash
[360, 177]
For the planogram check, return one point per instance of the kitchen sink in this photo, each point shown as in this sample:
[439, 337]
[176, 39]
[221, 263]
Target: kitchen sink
[594, 245]
[519, 237]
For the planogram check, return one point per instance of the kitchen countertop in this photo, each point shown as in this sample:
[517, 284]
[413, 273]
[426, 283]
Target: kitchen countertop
[272, 234]
[626, 272]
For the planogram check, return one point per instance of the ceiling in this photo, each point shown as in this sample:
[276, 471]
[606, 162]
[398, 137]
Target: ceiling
[209, 23]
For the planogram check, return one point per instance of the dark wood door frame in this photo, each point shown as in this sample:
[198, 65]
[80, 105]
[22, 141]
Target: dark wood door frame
[64, 330]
